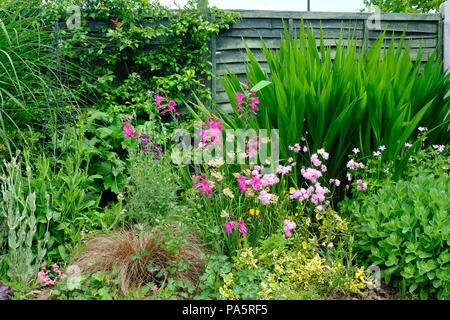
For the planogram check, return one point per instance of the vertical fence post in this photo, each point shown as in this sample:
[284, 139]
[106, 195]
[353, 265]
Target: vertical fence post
[444, 9]
[202, 6]
[212, 50]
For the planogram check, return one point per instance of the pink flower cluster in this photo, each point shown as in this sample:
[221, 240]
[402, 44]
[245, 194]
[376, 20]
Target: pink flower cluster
[286, 169]
[245, 102]
[229, 226]
[311, 174]
[438, 148]
[329, 245]
[168, 107]
[315, 192]
[85, 233]
[335, 181]
[213, 133]
[44, 274]
[203, 185]
[127, 128]
[297, 148]
[251, 152]
[130, 133]
[258, 183]
[352, 164]
[360, 185]
[288, 226]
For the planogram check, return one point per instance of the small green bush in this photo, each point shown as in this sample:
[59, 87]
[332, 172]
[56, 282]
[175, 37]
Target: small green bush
[404, 229]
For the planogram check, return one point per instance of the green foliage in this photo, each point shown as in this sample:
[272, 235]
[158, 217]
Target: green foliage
[152, 190]
[133, 47]
[210, 281]
[103, 144]
[423, 6]
[19, 226]
[368, 99]
[24, 61]
[97, 286]
[60, 204]
[404, 228]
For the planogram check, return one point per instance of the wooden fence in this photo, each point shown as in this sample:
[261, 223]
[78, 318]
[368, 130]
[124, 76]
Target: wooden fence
[228, 51]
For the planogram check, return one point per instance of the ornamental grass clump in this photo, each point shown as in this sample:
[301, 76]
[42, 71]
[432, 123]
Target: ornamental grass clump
[142, 258]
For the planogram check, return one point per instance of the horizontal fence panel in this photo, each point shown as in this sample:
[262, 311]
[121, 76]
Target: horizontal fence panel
[335, 15]
[329, 33]
[238, 67]
[228, 43]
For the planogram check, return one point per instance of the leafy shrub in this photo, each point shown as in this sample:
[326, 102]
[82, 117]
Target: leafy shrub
[283, 273]
[152, 189]
[23, 255]
[404, 228]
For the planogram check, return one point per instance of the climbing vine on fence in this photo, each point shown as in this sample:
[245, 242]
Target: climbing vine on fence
[131, 47]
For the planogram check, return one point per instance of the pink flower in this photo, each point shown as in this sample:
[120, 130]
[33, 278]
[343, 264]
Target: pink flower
[355, 150]
[288, 226]
[242, 227]
[438, 148]
[155, 288]
[203, 185]
[128, 130]
[284, 170]
[323, 153]
[311, 174]
[229, 226]
[265, 197]
[315, 160]
[269, 180]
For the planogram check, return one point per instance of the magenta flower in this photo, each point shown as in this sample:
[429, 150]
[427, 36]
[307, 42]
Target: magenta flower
[229, 226]
[128, 130]
[213, 133]
[170, 105]
[245, 103]
[242, 227]
[203, 185]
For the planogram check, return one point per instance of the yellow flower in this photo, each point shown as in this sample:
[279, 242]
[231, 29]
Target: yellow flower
[253, 212]
[291, 189]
